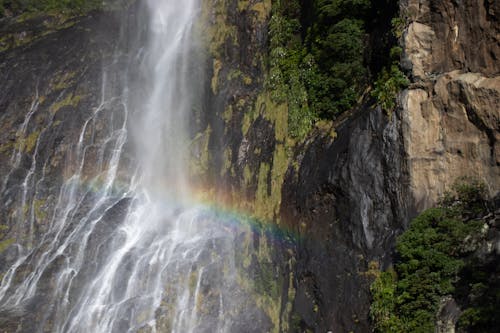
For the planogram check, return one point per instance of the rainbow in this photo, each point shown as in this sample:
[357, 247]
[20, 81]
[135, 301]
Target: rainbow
[232, 214]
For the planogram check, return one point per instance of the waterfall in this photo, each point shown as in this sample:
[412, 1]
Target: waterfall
[134, 255]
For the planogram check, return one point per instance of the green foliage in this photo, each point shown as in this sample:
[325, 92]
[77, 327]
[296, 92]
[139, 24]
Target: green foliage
[317, 68]
[387, 87]
[482, 314]
[321, 58]
[383, 307]
[286, 72]
[467, 195]
[336, 43]
[73, 6]
[391, 79]
[479, 294]
[398, 26]
[339, 77]
[430, 257]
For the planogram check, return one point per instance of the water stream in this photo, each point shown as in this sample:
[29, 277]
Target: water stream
[112, 258]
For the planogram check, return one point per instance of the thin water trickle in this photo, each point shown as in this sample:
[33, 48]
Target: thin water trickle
[113, 258]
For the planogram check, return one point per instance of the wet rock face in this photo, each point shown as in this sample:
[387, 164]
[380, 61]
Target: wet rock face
[348, 201]
[451, 116]
[65, 87]
[344, 200]
[49, 89]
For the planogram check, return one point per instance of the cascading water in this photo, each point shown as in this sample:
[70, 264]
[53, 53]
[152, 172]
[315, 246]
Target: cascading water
[110, 259]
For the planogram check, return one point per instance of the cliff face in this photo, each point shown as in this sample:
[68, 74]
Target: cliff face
[450, 113]
[337, 200]
[62, 116]
[51, 83]
[341, 195]
[348, 201]
[52, 104]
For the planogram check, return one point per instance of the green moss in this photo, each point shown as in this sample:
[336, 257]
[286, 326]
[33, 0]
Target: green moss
[237, 74]
[217, 66]
[6, 147]
[70, 100]
[193, 279]
[216, 30]
[327, 127]
[28, 8]
[247, 122]
[280, 165]
[3, 231]
[262, 9]
[200, 156]
[40, 213]
[287, 320]
[262, 209]
[6, 243]
[264, 287]
[63, 81]
[277, 114]
[27, 144]
[268, 198]
[52, 21]
[228, 114]
[247, 175]
[243, 5]
[227, 162]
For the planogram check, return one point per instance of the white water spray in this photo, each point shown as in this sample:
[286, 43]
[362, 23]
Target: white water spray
[110, 260]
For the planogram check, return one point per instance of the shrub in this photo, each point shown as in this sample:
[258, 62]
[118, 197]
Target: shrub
[430, 258]
[388, 85]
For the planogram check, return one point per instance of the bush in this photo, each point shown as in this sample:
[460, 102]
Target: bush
[383, 307]
[430, 258]
[287, 71]
[317, 64]
[388, 85]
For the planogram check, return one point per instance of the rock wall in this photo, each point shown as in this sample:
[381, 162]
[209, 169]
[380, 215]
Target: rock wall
[51, 76]
[344, 195]
[339, 197]
[337, 200]
[451, 111]
[348, 201]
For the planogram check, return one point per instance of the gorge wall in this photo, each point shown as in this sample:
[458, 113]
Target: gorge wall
[348, 194]
[337, 199]
[450, 112]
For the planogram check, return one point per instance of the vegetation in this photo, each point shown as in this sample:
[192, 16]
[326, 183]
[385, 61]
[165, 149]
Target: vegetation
[286, 70]
[335, 43]
[20, 6]
[391, 79]
[16, 7]
[389, 83]
[434, 260]
[323, 56]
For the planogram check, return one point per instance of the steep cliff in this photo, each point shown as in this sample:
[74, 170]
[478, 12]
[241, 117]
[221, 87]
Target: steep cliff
[348, 195]
[53, 103]
[340, 196]
[450, 113]
[319, 214]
